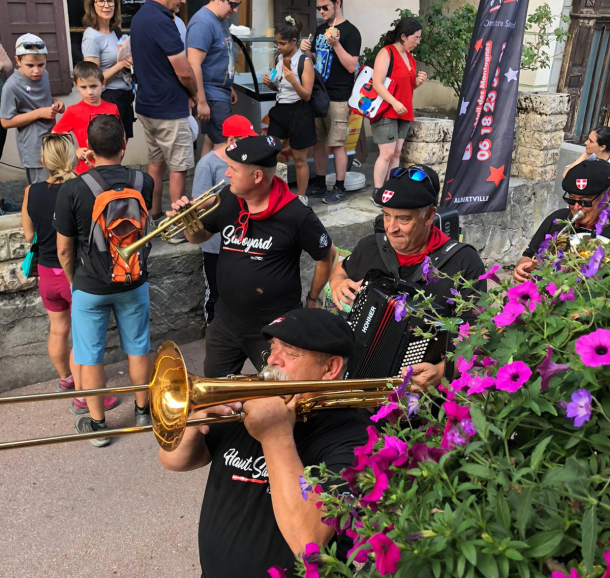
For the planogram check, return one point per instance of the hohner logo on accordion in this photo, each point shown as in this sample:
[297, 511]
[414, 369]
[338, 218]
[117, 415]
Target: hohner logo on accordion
[383, 345]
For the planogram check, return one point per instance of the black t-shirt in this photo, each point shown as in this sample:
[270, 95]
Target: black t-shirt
[338, 80]
[72, 218]
[548, 227]
[259, 278]
[238, 534]
[41, 204]
[366, 256]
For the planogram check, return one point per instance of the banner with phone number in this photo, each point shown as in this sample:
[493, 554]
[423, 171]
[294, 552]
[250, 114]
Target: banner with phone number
[478, 169]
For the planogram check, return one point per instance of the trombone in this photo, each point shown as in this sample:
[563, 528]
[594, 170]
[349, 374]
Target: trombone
[174, 393]
[188, 219]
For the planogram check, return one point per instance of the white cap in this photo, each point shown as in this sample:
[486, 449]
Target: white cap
[27, 39]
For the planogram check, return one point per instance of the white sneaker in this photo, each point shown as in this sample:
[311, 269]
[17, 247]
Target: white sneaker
[304, 200]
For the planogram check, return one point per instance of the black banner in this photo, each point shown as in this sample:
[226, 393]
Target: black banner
[478, 169]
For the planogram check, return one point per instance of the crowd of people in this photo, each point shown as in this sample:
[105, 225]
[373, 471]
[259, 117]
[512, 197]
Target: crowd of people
[79, 197]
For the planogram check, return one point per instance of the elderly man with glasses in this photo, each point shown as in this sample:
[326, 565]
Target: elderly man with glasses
[584, 188]
[405, 236]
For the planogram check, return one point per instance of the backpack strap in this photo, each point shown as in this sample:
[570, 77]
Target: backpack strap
[96, 183]
[135, 180]
[301, 65]
[391, 67]
[388, 255]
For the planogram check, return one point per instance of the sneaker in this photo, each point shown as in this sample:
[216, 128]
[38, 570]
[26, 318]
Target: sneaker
[79, 407]
[335, 196]
[142, 419]
[157, 219]
[66, 384]
[373, 198]
[83, 425]
[304, 200]
[7, 206]
[316, 191]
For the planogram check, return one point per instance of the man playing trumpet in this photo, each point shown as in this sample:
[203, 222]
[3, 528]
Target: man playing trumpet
[253, 515]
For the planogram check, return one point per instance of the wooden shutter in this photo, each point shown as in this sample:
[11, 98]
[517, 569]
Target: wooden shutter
[45, 18]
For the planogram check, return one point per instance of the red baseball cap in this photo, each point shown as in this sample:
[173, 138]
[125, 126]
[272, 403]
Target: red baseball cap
[238, 125]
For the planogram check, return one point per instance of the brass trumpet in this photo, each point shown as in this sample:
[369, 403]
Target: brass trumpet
[187, 219]
[174, 393]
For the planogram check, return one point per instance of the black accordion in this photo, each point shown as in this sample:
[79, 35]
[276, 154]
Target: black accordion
[383, 345]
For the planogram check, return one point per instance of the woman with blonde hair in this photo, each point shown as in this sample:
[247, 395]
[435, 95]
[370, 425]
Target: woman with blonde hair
[58, 157]
[102, 21]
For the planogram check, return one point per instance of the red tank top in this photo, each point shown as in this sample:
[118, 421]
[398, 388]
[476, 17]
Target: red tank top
[405, 83]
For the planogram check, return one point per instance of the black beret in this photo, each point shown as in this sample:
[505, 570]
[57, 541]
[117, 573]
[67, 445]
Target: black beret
[314, 330]
[412, 188]
[587, 178]
[261, 151]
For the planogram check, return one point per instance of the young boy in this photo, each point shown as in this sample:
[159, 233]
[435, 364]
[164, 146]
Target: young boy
[27, 104]
[89, 80]
[210, 170]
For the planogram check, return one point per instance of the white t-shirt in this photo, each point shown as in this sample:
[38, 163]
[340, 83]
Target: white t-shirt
[286, 93]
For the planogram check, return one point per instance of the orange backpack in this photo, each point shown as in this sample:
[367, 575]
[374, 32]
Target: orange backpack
[119, 218]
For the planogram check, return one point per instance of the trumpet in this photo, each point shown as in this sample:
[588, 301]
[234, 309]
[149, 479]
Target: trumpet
[174, 393]
[188, 219]
[563, 237]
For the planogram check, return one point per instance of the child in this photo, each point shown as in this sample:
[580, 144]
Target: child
[89, 80]
[210, 170]
[293, 117]
[57, 157]
[27, 104]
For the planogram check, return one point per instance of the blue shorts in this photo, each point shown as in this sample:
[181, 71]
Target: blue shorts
[90, 315]
[220, 110]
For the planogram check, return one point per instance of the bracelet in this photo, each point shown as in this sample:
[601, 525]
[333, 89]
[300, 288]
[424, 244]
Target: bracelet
[310, 298]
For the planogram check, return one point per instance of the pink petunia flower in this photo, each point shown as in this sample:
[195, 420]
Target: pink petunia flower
[511, 377]
[526, 293]
[463, 332]
[491, 274]
[277, 572]
[387, 554]
[363, 555]
[479, 384]
[463, 365]
[579, 409]
[381, 483]
[573, 574]
[547, 369]
[455, 414]
[509, 314]
[389, 411]
[594, 348]
[311, 560]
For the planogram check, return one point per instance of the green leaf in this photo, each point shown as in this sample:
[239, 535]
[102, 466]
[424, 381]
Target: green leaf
[513, 554]
[488, 566]
[460, 566]
[600, 440]
[538, 453]
[479, 422]
[544, 544]
[524, 509]
[531, 404]
[589, 537]
[470, 552]
[478, 471]
[436, 568]
[562, 475]
[502, 511]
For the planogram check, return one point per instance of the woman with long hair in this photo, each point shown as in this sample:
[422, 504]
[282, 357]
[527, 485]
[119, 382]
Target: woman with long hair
[58, 157]
[390, 131]
[597, 147]
[102, 21]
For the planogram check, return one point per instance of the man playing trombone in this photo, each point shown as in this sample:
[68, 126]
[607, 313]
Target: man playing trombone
[253, 515]
[264, 229]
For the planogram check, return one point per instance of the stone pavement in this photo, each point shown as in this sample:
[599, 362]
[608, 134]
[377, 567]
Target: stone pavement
[72, 510]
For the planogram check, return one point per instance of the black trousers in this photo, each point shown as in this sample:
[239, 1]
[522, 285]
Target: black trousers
[210, 261]
[226, 351]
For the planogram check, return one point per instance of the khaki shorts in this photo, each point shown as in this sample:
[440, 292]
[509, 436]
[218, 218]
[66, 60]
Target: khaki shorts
[389, 130]
[169, 140]
[332, 129]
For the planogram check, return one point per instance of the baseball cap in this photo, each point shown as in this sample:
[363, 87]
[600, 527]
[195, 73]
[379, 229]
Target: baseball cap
[238, 126]
[30, 44]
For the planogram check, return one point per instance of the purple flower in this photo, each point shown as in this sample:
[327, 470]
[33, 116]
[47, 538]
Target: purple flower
[387, 554]
[412, 404]
[467, 427]
[548, 239]
[564, 294]
[453, 292]
[592, 267]
[547, 369]
[305, 487]
[455, 437]
[423, 453]
[601, 222]
[428, 270]
[400, 390]
[400, 312]
[455, 414]
[509, 314]
[526, 293]
[594, 348]
[491, 274]
[389, 411]
[511, 377]
[579, 408]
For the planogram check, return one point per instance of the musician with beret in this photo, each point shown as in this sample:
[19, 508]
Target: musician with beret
[254, 515]
[408, 203]
[584, 186]
[264, 228]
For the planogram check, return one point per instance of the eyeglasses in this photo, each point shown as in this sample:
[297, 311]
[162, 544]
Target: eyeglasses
[320, 8]
[233, 5]
[280, 44]
[414, 173]
[582, 202]
[102, 2]
[29, 45]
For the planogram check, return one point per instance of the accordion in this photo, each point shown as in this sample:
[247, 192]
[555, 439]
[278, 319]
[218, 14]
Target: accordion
[383, 345]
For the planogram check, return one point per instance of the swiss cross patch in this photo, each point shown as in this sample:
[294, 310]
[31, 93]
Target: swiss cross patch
[387, 195]
[581, 183]
[271, 141]
[231, 146]
[278, 320]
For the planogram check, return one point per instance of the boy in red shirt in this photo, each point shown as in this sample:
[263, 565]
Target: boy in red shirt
[89, 80]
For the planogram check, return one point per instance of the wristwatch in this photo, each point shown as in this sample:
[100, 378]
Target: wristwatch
[310, 298]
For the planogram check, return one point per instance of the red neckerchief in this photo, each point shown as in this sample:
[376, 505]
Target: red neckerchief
[436, 241]
[279, 197]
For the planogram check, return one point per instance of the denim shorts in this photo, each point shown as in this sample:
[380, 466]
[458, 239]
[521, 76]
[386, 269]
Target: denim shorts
[90, 316]
[220, 110]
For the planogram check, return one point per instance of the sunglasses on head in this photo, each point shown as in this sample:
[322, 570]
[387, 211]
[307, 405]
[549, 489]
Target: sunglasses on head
[29, 45]
[233, 5]
[582, 202]
[414, 173]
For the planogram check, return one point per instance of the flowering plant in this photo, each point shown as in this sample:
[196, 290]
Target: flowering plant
[504, 471]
